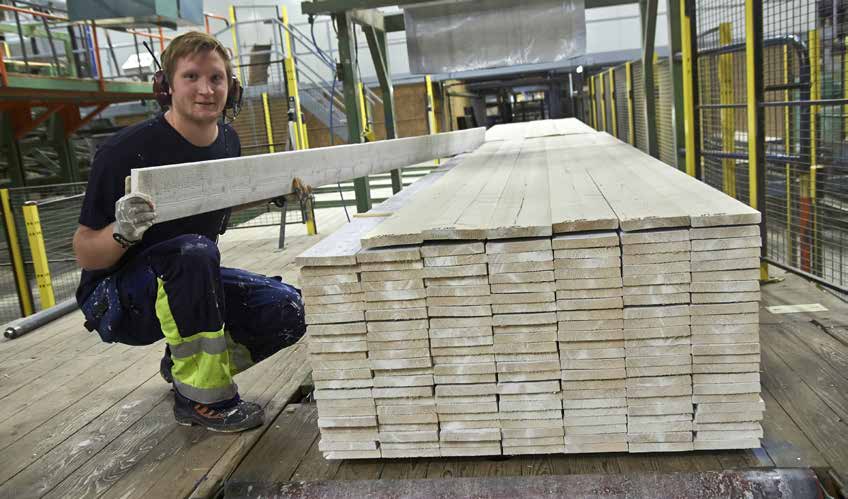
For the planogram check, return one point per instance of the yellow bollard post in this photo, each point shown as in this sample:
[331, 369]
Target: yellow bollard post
[431, 109]
[21, 282]
[603, 103]
[728, 114]
[612, 102]
[688, 92]
[631, 132]
[266, 111]
[39, 255]
[814, 48]
[787, 148]
[594, 103]
[291, 82]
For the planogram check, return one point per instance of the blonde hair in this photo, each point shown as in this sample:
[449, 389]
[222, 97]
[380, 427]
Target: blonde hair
[190, 44]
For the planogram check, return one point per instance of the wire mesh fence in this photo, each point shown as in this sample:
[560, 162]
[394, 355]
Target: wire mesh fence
[806, 126]
[722, 90]
[664, 100]
[621, 103]
[59, 207]
[640, 118]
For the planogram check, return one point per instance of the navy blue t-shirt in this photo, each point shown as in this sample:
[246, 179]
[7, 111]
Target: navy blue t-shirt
[150, 143]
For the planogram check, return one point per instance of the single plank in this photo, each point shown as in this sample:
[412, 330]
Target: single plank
[192, 188]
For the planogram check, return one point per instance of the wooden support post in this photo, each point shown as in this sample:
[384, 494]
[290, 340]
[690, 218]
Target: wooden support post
[39, 255]
[728, 112]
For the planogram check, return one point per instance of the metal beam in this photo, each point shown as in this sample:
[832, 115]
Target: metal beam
[648, 11]
[353, 109]
[336, 6]
[368, 17]
[675, 46]
[379, 54]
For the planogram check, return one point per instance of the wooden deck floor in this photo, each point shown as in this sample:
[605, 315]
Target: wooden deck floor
[80, 418]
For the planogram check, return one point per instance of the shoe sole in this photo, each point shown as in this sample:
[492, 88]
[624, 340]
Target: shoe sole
[192, 422]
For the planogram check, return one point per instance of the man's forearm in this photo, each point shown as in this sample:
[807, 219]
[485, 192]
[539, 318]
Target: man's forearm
[97, 249]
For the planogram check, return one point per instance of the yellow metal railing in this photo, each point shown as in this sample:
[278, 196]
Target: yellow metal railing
[21, 282]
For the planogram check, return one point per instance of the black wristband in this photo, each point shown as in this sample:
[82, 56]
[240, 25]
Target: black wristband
[123, 241]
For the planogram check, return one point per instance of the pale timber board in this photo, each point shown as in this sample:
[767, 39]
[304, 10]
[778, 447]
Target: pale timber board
[576, 204]
[344, 244]
[705, 205]
[639, 199]
[440, 205]
[524, 207]
[191, 188]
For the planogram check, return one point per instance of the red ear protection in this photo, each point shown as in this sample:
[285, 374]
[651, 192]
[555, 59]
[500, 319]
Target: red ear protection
[162, 92]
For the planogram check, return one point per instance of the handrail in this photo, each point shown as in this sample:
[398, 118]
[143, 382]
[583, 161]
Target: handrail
[373, 98]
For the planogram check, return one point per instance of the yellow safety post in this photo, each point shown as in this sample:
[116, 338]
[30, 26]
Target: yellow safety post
[728, 113]
[603, 103]
[39, 255]
[753, 124]
[367, 132]
[845, 88]
[688, 92]
[237, 61]
[612, 102]
[21, 281]
[268, 130]
[815, 95]
[304, 134]
[787, 148]
[291, 81]
[594, 104]
[431, 108]
[631, 132]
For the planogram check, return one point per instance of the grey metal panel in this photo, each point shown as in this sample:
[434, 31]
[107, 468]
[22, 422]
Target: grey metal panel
[480, 34]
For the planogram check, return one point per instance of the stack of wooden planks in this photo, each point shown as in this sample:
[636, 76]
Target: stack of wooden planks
[554, 291]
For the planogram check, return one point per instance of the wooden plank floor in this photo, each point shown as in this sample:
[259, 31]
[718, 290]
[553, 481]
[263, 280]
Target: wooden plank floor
[80, 418]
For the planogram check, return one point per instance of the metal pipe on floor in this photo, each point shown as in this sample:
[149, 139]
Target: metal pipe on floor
[24, 325]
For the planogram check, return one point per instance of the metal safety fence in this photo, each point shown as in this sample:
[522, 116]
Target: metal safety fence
[782, 67]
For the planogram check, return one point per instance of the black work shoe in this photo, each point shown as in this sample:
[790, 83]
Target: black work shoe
[165, 366]
[241, 416]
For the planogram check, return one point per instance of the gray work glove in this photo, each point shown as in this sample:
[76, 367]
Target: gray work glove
[134, 214]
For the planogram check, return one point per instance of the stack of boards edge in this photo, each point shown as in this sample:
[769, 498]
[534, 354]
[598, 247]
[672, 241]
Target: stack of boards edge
[633, 328]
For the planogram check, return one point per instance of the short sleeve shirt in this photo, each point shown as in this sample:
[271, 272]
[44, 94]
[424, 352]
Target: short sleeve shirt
[150, 143]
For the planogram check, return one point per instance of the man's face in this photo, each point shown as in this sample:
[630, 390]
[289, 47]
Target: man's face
[199, 89]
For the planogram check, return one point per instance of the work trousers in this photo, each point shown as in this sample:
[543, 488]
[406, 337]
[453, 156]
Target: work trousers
[217, 321]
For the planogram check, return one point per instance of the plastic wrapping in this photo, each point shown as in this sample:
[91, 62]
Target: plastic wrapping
[477, 34]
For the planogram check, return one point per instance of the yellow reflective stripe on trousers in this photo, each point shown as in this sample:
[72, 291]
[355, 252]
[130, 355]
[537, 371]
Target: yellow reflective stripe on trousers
[199, 374]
